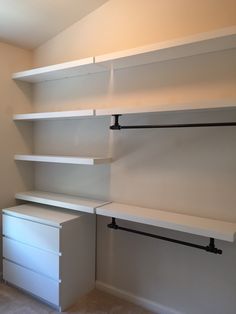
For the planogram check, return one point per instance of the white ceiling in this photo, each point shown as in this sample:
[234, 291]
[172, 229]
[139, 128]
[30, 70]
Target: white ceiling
[29, 23]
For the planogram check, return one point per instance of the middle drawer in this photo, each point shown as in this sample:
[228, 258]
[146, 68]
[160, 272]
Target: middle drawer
[43, 262]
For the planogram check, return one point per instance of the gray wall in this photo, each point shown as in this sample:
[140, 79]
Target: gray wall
[189, 171]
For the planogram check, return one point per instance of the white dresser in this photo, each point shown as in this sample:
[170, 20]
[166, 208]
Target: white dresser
[49, 252]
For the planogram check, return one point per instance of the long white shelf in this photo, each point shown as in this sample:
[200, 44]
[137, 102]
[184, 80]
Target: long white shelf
[220, 230]
[200, 105]
[216, 40]
[59, 71]
[200, 43]
[54, 115]
[64, 159]
[76, 114]
[61, 200]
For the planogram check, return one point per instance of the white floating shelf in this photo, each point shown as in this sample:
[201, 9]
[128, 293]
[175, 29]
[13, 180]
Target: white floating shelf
[200, 43]
[59, 71]
[76, 114]
[220, 230]
[201, 105]
[61, 200]
[54, 115]
[221, 39]
[64, 159]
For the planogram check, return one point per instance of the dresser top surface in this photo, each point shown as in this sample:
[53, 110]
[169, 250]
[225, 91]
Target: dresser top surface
[43, 214]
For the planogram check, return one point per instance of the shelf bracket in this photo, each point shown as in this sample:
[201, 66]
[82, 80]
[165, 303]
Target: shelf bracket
[211, 248]
[117, 126]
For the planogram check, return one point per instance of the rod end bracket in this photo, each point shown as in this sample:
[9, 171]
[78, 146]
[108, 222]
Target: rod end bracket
[113, 224]
[116, 125]
[211, 248]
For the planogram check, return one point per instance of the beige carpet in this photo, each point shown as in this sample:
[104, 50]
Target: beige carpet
[13, 301]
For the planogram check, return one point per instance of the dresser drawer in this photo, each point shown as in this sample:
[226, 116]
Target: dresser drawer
[32, 233]
[41, 261]
[32, 282]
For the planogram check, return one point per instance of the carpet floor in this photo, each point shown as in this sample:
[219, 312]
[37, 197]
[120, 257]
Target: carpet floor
[13, 301]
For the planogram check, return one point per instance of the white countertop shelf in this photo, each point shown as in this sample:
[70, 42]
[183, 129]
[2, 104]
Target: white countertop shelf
[200, 105]
[64, 159]
[42, 214]
[61, 200]
[200, 43]
[75, 114]
[59, 71]
[220, 230]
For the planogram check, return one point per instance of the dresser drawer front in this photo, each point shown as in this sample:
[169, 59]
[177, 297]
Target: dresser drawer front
[32, 282]
[41, 261]
[32, 233]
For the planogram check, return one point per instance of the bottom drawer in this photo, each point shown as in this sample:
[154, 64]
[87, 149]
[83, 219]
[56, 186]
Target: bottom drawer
[32, 282]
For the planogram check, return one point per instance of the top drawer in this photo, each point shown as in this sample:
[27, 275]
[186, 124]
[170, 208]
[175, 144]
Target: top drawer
[36, 234]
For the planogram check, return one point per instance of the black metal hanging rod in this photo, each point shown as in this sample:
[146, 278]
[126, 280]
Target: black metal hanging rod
[117, 126]
[209, 248]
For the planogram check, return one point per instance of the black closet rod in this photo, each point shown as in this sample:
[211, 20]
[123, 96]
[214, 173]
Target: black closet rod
[117, 126]
[209, 248]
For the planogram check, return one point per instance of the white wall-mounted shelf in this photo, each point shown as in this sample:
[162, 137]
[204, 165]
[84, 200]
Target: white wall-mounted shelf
[220, 230]
[200, 105]
[75, 114]
[61, 200]
[83, 113]
[64, 159]
[59, 71]
[200, 43]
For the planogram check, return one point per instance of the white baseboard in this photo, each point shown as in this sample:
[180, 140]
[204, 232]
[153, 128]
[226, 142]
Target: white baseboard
[145, 303]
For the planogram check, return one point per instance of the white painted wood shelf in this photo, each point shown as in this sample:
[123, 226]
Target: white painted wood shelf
[217, 40]
[220, 230]
[64, 159]
[61, 200]
[200, 105]
[83, 113]
[59, 71]
[56, 115]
